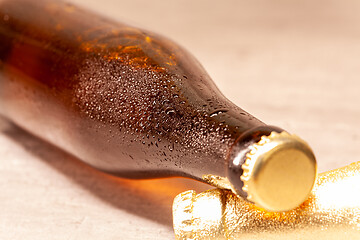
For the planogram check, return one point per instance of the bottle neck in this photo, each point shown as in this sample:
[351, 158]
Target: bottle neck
[239, 151]
[218, 142]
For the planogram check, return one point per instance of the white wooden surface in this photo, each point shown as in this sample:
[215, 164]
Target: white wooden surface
[294, 64]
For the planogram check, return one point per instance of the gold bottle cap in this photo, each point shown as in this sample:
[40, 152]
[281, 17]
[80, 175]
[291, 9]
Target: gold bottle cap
[279, 172]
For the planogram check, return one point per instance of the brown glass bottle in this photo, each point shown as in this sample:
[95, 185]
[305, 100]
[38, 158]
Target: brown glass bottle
[125, 100]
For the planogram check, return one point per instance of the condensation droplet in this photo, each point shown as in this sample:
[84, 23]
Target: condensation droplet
[217, 112]
[170, 111]
[171, 147]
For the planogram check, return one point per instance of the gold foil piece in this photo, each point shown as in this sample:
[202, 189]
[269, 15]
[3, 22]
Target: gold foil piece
[217, 181]
[331, 212]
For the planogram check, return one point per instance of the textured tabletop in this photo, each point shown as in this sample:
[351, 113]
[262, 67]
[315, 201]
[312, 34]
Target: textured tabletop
[294, 64]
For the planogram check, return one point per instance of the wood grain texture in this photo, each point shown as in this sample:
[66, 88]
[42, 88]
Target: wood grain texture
[292, 64]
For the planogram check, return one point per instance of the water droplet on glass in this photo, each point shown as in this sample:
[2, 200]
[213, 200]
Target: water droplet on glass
[217, 112]
[170, 111]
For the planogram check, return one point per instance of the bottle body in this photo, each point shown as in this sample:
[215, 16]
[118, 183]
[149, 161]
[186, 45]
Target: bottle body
[125, 100]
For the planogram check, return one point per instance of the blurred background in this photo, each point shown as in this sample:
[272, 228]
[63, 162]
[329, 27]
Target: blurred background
[293, 64]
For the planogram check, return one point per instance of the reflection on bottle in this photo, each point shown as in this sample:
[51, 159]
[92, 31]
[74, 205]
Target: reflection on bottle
[331, 212]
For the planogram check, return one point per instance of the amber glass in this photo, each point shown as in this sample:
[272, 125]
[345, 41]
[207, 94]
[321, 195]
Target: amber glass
[123, 99]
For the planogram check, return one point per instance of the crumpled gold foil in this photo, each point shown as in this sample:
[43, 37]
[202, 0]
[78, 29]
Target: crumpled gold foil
[331, 212]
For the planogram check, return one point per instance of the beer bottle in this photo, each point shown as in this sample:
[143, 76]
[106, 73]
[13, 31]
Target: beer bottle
[134, 104]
